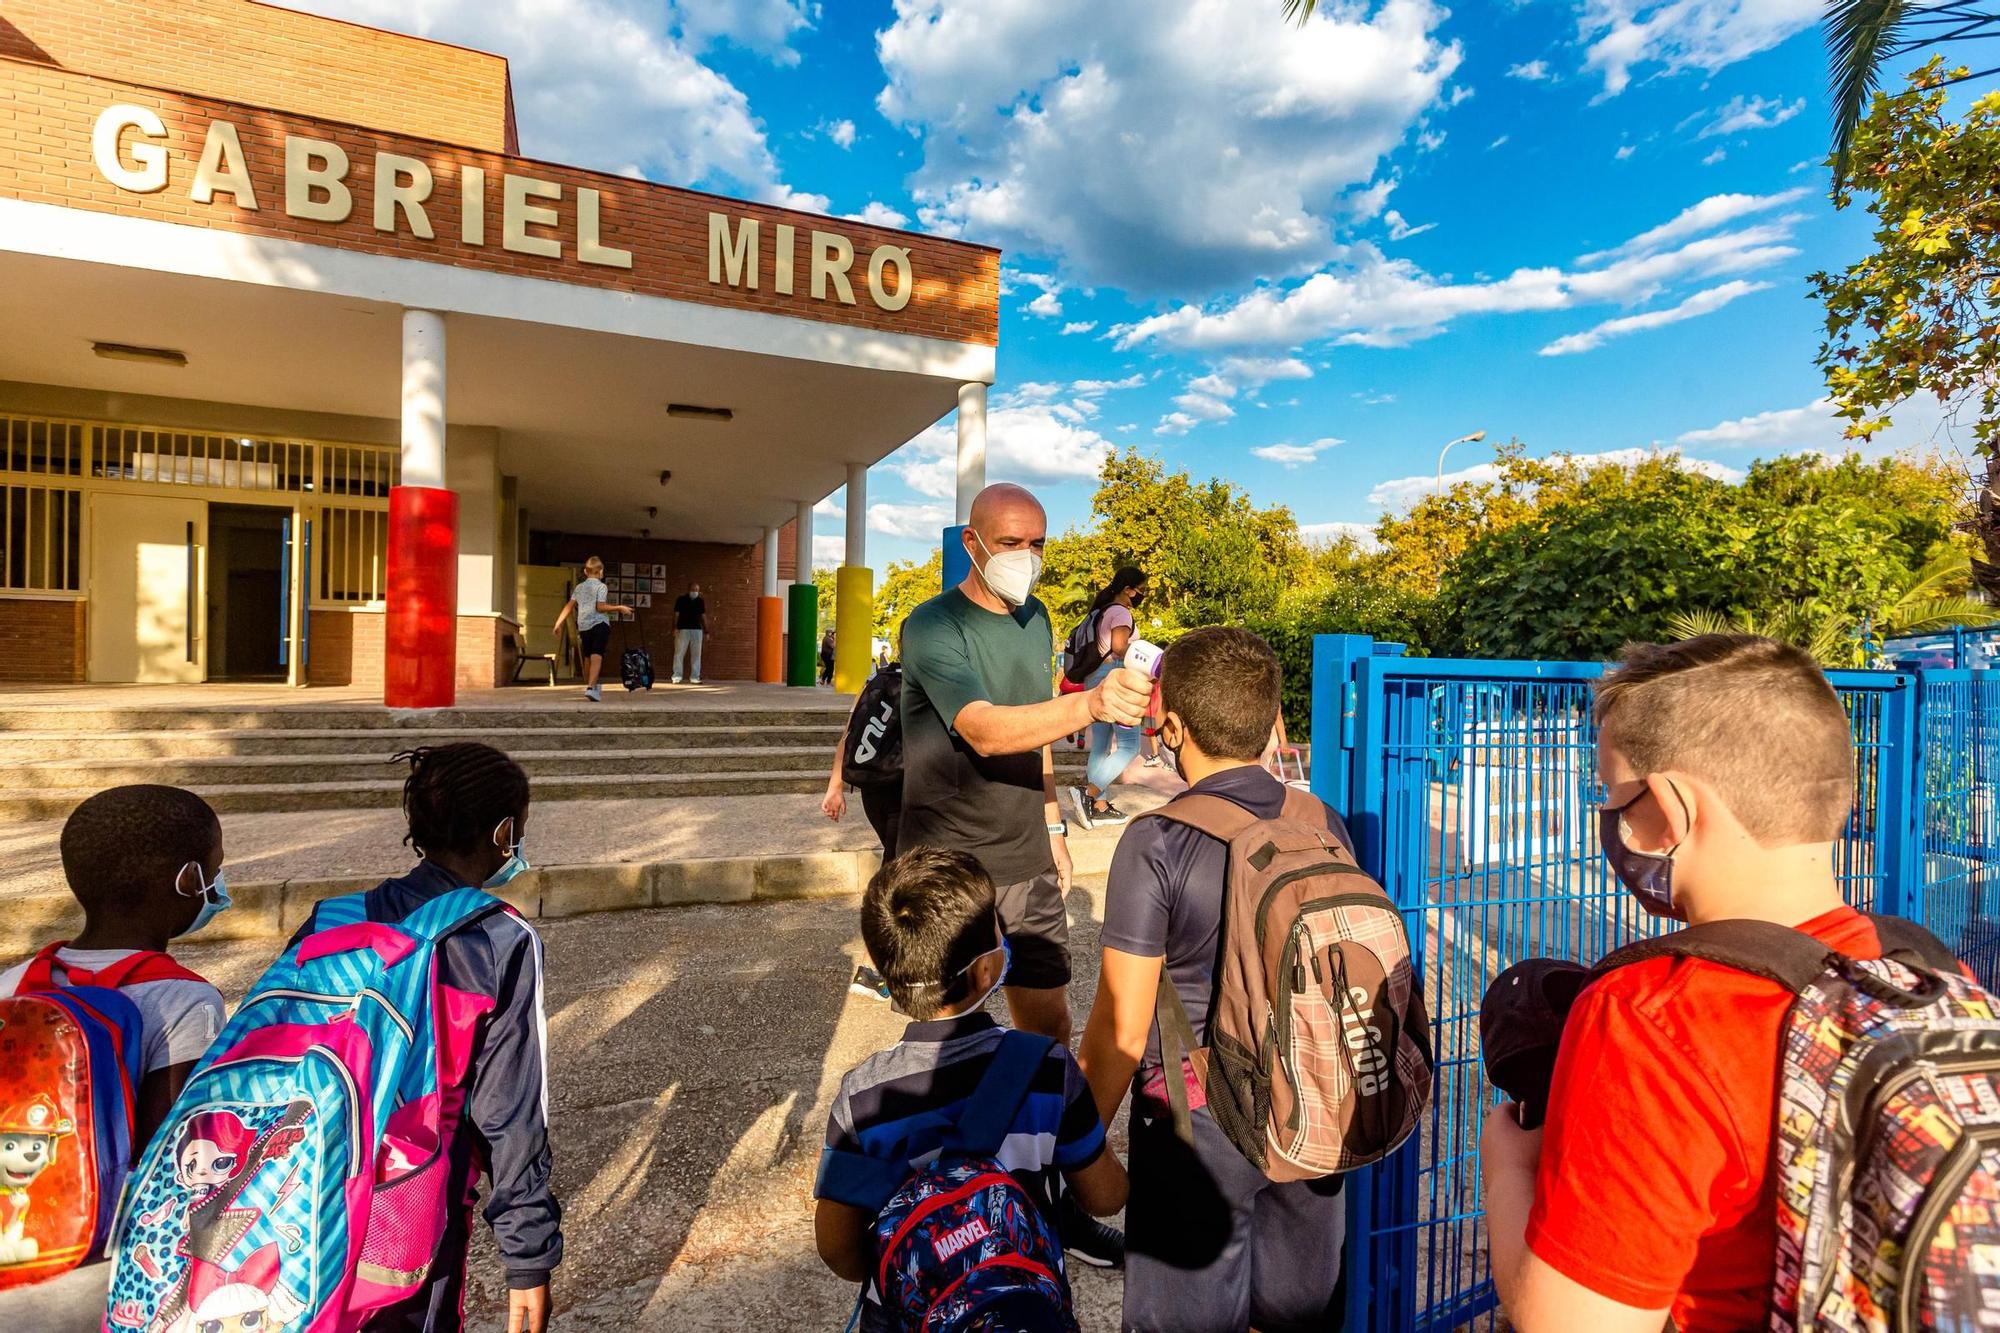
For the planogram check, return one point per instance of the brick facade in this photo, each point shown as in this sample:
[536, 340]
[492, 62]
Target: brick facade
[42, 640]
[266, 55]
[45, 157]
[347, 649]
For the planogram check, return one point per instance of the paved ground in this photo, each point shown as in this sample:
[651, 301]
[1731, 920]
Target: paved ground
[695, 1052]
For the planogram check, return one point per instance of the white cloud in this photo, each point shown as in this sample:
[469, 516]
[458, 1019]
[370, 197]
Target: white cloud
[1715, 157]
[1046, 306]
[1695, 219]
[1625, 150]
[1037, 432]
[1754, 113]
[1684, 34]
[841, 132]
[1534, 71]
[1497, 143]
[1803, 164]
[832, 549]
[1203, 407]
[907, 520]
[765, 26]
[1079, 326]
[1318, 534]
[1701, 303]
[1398, 495]
[1921, 423]
[1202, 399]
[1375, 301]
[1068, 129]
[831, 508]
[607, 84]
[1175, 423]
[880, 214]
[1402, 230]
[1372, 399]
[1295, 455]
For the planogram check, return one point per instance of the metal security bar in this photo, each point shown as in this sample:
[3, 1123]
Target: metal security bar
[1472, 791]
[1959, 747]
[353, 556]
[41, 539]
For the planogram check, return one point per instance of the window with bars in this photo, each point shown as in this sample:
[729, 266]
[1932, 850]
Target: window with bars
[353, 555]
[195, 458]
[41, 539]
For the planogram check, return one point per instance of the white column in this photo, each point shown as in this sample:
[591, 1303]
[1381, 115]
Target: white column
[423, 398]
[802, 568]
[857, 515]
[771, 561]
[971, 446]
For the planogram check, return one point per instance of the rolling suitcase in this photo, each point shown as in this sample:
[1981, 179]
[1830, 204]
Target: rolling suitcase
[637, 669]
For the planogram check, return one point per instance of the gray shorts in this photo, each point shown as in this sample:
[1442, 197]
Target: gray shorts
[1036, 924]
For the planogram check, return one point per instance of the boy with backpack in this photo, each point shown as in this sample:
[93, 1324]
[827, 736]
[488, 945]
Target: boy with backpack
[102, 1033]
[325, 1154]
[1693, 1162]
[1236, 1218]
[949, 1151]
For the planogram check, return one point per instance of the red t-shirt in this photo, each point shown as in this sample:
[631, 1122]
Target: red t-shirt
[1655, 1184]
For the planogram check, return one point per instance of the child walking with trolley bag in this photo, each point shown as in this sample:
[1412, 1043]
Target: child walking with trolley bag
[319, 1169]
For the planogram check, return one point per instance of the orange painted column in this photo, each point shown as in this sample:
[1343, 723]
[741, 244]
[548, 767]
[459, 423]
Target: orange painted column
[770, 639]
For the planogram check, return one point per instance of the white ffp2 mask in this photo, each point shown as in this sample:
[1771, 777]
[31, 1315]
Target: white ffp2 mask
[1010, 575]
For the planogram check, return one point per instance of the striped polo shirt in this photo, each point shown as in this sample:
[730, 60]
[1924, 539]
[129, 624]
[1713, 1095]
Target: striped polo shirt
[896, 1108]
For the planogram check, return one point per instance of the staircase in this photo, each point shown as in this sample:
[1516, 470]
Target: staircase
[337, 757]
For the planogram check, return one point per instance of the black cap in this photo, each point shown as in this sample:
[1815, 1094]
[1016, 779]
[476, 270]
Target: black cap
[1520, 1028]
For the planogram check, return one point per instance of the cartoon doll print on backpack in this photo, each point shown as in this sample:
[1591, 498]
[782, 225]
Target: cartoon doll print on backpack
[69, 1066]
[299, 1182]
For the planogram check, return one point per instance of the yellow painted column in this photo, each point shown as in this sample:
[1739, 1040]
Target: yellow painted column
[854, 627]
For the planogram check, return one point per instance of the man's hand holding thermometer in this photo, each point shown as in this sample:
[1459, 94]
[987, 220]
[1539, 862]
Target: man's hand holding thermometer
[1123, 696]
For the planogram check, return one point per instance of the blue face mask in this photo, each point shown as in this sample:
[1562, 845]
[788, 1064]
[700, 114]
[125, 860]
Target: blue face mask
[515, 862]
[214, 896]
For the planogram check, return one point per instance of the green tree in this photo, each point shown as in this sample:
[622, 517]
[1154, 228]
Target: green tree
[905, 585]
[1864, 35]
[1921, 313]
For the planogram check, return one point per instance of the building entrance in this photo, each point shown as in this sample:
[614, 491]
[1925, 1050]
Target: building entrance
[145, 589]
[247, 589]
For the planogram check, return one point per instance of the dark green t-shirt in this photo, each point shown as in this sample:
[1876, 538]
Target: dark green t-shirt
[956, 652]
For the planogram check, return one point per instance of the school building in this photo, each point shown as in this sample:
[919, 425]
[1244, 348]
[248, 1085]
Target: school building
[308, 375]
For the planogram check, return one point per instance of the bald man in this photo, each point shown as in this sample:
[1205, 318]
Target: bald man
[978, 716]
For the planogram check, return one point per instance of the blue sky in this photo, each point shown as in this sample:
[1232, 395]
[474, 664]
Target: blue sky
[1302, 259]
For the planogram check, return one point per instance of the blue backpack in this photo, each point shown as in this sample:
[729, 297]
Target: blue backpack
[962, 1246]
[301, 1176]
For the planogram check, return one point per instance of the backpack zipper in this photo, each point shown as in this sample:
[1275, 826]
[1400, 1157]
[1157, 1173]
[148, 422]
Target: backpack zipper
[403, 1024]
[1322, 868]
[340, 1070]
[1288, 962]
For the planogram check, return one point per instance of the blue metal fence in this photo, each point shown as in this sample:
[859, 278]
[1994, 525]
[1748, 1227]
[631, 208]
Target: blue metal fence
[1471, 789]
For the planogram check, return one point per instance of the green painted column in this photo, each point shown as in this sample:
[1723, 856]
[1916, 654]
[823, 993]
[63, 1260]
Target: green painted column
[802, 658]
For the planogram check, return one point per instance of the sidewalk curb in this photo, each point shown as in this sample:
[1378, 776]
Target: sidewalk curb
[272, 910]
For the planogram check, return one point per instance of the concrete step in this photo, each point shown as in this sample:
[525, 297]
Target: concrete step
[37, 746]
[53, 802]
[320, 770]
[555, 714]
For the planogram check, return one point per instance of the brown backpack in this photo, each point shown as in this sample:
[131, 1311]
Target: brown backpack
[1318, 1057]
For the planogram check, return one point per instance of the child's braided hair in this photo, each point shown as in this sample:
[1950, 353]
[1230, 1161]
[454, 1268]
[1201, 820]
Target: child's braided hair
[456, 795]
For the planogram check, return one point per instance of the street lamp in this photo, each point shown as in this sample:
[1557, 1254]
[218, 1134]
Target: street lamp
[1473, 438]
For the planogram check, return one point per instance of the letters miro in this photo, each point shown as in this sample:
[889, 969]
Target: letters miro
[129, 149]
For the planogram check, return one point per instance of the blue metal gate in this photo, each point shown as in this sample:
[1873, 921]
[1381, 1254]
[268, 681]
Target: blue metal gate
[1471, 788]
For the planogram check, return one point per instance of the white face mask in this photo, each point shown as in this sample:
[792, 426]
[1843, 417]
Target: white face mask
[1011, 575]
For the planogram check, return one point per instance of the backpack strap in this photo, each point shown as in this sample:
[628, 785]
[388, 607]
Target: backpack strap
[1908, 942]
[1177, 1042]
[143, 966]
[440, 916]
[1791, 958]
[989, 1112]
[1217, 816]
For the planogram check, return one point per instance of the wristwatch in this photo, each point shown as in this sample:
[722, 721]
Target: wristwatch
[1059, 829]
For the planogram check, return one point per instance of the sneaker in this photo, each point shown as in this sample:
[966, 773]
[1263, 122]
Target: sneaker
[1092, 1241]
[1106, 813]
[867, 981]
[1079, 801]
[696, 680]
[1152, 761]
[675, 681]
[595, 694]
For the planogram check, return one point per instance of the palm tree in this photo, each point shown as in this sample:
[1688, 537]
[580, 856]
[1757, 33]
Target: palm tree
[1928, 602]
[1864, 35]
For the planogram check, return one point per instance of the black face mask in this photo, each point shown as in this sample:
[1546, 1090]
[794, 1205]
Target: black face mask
[1648, 875]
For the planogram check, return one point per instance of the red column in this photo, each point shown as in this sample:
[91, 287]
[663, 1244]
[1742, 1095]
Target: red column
[420, 630]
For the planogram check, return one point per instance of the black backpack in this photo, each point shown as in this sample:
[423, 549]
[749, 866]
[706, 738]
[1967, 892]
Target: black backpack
[1084, 654]
[875, 731]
